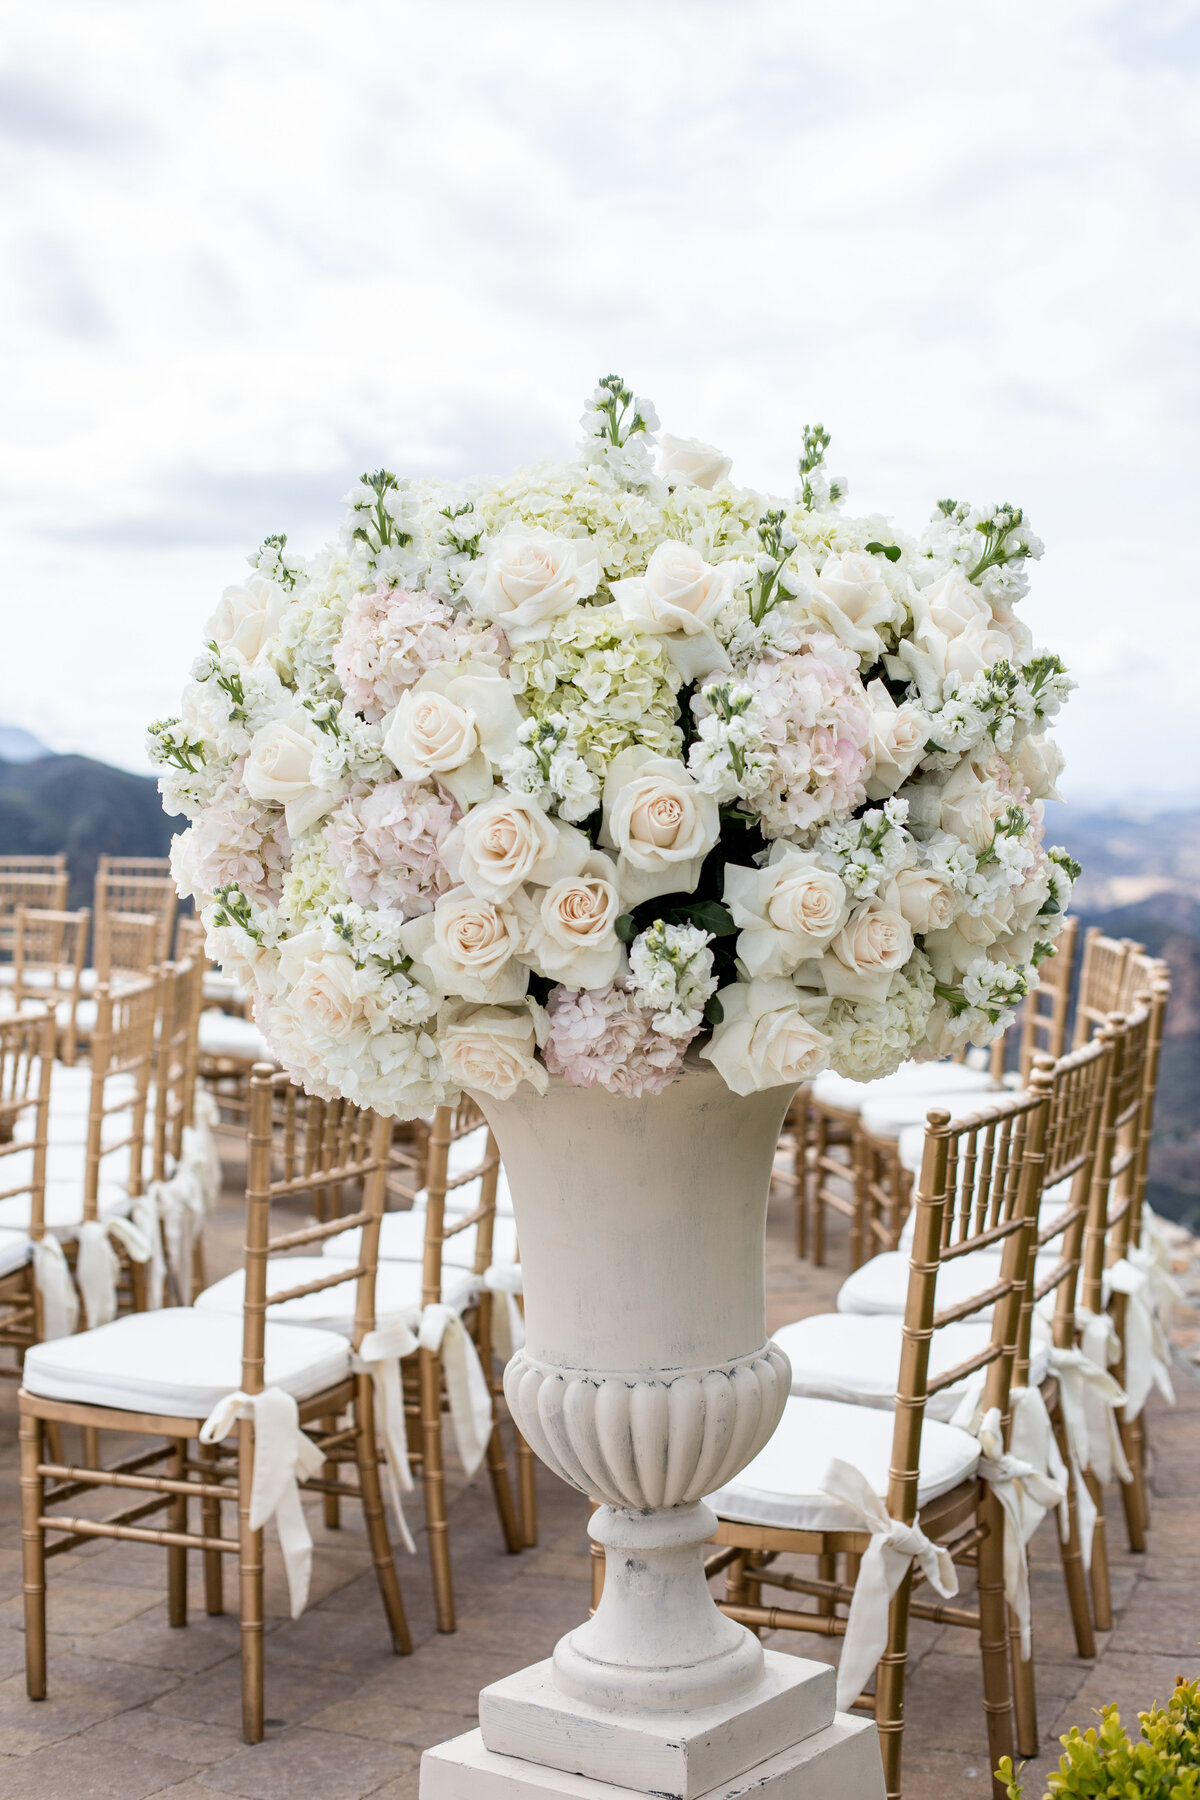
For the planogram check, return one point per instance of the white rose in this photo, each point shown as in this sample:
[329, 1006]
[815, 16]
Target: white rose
[491, 1049]
[508, 841]
[951, 952]
[971, 806]
[247, 617]
[466, 946]
[927, 902]
[455, 723]
[1039, 763]
[321, 987]
[764, 1040]
[899, 735]
[679, 598]
[659, 821]
[528, 578]
[688, 462]
[954, 632]
[787, 911]
[851, 600]
[569, 933]
[279, 770]
[875, 941]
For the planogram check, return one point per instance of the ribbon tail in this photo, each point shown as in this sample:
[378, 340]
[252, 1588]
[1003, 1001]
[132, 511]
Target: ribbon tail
[96, 1271]
[60, 1303]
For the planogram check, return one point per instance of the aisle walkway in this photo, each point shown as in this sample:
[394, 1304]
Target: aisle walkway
[138, 1709]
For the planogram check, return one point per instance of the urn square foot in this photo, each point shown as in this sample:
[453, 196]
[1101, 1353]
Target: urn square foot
[839, 1762]
[682, 1755]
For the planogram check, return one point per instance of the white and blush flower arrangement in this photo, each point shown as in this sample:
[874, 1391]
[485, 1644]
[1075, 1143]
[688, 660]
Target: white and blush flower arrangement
[611, 762]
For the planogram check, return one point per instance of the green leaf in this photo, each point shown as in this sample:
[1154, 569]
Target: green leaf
[714, 1012]
[626, 928]
[709, 915]
[891, 551]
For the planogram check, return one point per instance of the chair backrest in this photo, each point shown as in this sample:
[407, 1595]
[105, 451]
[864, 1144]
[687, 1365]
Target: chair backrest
[979, 1188]
[26, 1065]
[1045, 1013]
[1103, 972]
[127, 944]
[1159, 989]
[49, 954]
[41, 888]
[884, 1192]
[298, 1144]
[34, 865]
[122, 1065]
[137, 884]
[190, 939]
[1115, 1171]
[176, 1040]
[443, 1221]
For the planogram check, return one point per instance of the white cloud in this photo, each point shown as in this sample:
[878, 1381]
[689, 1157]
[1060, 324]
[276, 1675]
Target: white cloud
[251, 250]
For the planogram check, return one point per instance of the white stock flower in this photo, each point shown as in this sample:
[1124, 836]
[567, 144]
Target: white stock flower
[670, 971]
[688, 462]
[899, 734]
[850, 599]
[568, 927]
[875, 941]
[247, 618]
[528, 577]
[455, 723]
[508, 841]
[466, 947]
[787, 911]
[493, 1049]
[679, 599]
[764, 1040]
[659, 821]
[281, 767]
[954, 633]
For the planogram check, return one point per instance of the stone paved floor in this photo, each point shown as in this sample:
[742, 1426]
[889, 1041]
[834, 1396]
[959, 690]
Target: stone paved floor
[138, 1709]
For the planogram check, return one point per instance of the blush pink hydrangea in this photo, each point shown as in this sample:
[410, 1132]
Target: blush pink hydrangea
[386, 845]
[390, 637]
[235, 840]
[601, 1037]
[818, 727]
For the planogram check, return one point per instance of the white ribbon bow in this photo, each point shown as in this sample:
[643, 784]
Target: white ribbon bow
[508, 1321]
[97, 1266]
[143, 1216]
[442, 1331]
[282, 1454]
[1147, 1351]
[180, 1206]
[891, 1552]
[198, 1153]
[1026, 1493]
[60, 1303]
[379, 1356]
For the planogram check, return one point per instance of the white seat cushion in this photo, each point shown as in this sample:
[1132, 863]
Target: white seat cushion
[782, 1486]
[223, 1035]
[887, 1114]
[64, 1207]
[178, 1361]
[855, 1358]
[14, 1251]
[881, 1285]
[219, 987]
[402, 1239]
[911, 1079]
[397, 1294]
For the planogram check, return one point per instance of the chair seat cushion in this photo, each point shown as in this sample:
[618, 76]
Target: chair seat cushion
[782, 1486]
[178, 1361]
[240, 1039]
[402, 1239]
[887, 1114]
[855, 1358]
[881, 1285]
[64, 1207]
[14, 1251]
[397, 1293]
[910, 1080]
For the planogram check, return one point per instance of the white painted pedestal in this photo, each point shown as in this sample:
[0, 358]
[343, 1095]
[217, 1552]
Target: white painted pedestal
[647, 1381]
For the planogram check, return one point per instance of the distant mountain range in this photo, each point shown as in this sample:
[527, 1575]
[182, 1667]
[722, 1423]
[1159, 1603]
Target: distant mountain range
[1141, 879]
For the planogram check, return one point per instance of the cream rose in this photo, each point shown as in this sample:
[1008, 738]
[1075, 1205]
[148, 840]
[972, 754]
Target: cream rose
[321, 986]
[455, 723]
[466, 946]
[954, 633]
[1039, 763]
[660, 823]
[528, 578]
[569, 933]
[279, 771]
[689, 463]
[851, 599]
[508, 841]
[951, 952]
[787, 911]
[679, 599]
[764, 1040]
[247, 618]
[927, 902]
[899, 735]
[492, 1049]
[972, 805]
[875, 941]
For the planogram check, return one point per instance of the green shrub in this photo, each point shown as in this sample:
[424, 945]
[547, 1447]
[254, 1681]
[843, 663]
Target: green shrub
[1164, 1764]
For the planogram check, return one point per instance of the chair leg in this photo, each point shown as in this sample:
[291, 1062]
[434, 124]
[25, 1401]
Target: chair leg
[527, 1492]
[331, 1503]
[993, 1635]
[433, 1482]
[91, 1447]
[199, 1273]
[250, 1592]
[826, 1571]
[1133, 1493]
[1024, 1691]
[367, 1456]
[510, 1525]
[177, 1520]
[889, 1689]
[1101, 1589]
[210, 1519]
[1071, 1553]
[33, 1556]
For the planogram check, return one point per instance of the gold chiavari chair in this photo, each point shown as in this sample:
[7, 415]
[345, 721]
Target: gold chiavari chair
[179, 1194]
[1103, 973]
[138, 885]
[49, 953]
[1041, 1028]
[194, 1379]
[45, 889]
[126, 945]
[26, 1062]
[978, 1190]
[34, 865]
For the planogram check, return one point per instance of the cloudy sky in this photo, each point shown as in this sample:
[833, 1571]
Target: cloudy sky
[251, 249]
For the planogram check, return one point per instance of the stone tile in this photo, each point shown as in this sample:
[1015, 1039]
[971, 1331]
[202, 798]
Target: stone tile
[1161, 1619]
[294, 1692]
[200, 1644]
[382, 1713]
[1132, 1682]
[82, 1691]
[405, 1787]
[320, 1765]
[101, 1771]
[356, 1643]
[84, 1608]
[186, 1740]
